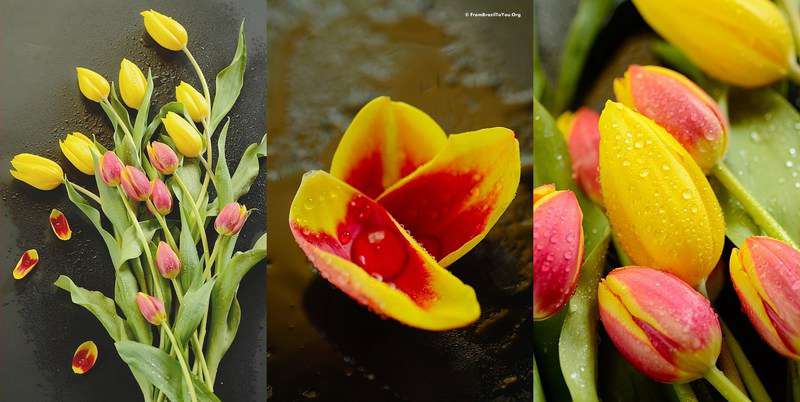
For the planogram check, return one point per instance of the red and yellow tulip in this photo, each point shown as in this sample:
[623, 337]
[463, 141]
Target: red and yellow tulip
[26, 262]
[402, 201]
[766, 275]
[582, 134]
[59, 224]
[660, 324]
[558, 249]
[84, 358]
[680, 107]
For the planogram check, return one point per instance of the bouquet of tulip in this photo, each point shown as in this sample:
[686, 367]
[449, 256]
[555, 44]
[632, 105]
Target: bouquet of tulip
[161, 278]
[662, 176]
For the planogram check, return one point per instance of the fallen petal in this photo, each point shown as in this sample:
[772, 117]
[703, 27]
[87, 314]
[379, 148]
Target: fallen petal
[357, 246]
[385, 142]
[84, 358]
[58, 221]
[450, 203]
[26, 263]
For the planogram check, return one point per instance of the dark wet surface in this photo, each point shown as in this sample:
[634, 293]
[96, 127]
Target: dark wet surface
[42, 43]
[325, 62]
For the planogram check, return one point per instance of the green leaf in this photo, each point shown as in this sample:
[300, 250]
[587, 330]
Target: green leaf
[110, 201]
[763, 153]
[162, 370]
[131, 246]
[94, 217]
[191, 269]
[175, 107]
[589, 19]
[225, 309]
[125, 289]
[98, 304]
[739, 225]
[191, 311]
[140, 126]
[190, 173]
[248, 167]
[118, 108]
[223, 176]
[229, 82]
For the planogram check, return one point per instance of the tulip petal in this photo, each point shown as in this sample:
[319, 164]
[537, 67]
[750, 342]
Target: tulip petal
[357, 246]
[26, 263]
[451, 202]
[59, 224]
[84, 358]
[385, 142]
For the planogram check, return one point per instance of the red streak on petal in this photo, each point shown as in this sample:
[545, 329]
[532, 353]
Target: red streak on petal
[782, 328]
[83, 361]
[435, 207]
[390, 259]
[58, 221]
[367, 175]
[26, 263]
[665, 346]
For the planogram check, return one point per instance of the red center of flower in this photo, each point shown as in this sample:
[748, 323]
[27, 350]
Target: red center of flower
[380, 252]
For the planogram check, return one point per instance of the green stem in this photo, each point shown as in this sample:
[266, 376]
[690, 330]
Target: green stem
[200, 75]
[684, 393]
[210, 262]
[86, 192]
[184, 367]
[201, 227]
[724, 386]
[222, 240]
[206, 163]
[794, 378]
[728, 366]
[206, 125]
[749, 376]
[164, 228]
[119, 119]
[145, 245]
[761, 216]
[198, 350]
[623, 258]
[538, 391]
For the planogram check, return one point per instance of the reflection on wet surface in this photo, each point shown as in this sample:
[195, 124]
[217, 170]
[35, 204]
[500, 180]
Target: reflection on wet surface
[325, 62]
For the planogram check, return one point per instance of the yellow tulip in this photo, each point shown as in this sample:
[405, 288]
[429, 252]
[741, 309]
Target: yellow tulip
[742, 42]
[37, 171]
[132, 84]
[194, 102]
[186, 138]
[661, 207]
[78, 149]
[92, 85]
[164, 30]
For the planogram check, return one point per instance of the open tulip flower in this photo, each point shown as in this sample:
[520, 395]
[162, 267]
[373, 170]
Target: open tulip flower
[582, 134]
[680, 107]
[660, 324]
[660, 205]
[766, 275]
[557, 249]
[402, 201]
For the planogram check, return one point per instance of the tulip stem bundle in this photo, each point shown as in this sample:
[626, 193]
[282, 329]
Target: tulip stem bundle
[136, 179]
[746, 370]
[725, 386]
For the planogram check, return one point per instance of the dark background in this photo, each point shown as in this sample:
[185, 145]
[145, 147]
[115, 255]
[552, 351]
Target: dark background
[626, 40]
[41, 43]
[327, 59]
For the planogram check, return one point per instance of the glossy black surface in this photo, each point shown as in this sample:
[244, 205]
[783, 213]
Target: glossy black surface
[41, 42]
[326, 60]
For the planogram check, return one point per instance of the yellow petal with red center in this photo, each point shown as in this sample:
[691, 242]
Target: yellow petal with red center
[357, 246]
[84, 358]
[26, 263]
[385, 142]
[450, 203]
[58, 221]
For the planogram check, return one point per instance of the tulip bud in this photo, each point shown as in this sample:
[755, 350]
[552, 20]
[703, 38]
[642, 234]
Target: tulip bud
[583, 142]
[151, 308]
[766, 275]
[558, 249]
[662, 326]
[680, 107]
[164, 30]
[231, 219]
[185, 136]
[168, 263]
[162, 157]
[37, 171]
[79, 150]
[110, 168]
[132, 84]
[92, 85]
[742, 42]
[135, 184]
[194, 102]
[661, 208]
[160, 197]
